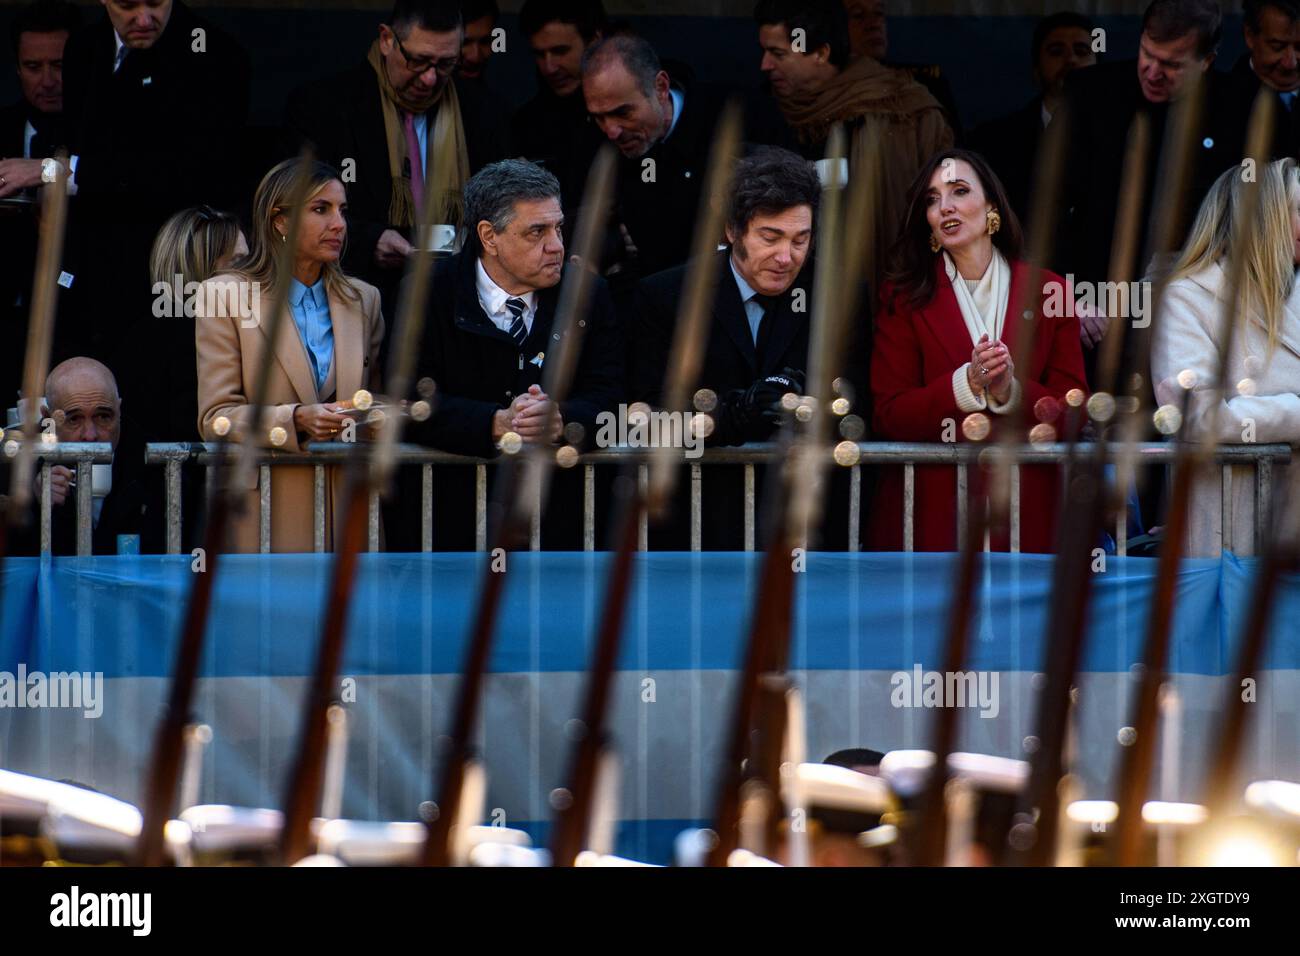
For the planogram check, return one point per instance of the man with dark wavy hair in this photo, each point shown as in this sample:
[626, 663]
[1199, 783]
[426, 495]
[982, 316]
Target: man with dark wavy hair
[757, 347]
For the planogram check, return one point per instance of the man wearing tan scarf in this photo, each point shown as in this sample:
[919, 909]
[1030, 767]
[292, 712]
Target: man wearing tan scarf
[394, 123]
[806, 57]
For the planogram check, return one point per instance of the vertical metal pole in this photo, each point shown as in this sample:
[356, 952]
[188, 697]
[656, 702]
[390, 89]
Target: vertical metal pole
[373, 521]
[264, 509]
[749, 506]
[426, 508]
[696, 509]
[47, 509]
[962, 505]
[1225, 508]
[1015, 509]
[643, 485]
[1263, 500]
[172, 471]
[535, 520]
[480, 507]
[588, 507]
[318, 509]
[855, 507]
[909, 504]
[85, 484]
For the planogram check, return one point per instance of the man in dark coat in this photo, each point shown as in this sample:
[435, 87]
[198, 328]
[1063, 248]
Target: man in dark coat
[549, 127]
[379, 121]
[757, 349]
[1179, 38]
[155, 98]
[1062, 43]
[663, 125]
[31, 129]
[1272, 61]
[488, 337]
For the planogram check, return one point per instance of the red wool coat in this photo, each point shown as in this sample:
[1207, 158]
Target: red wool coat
[914, 355]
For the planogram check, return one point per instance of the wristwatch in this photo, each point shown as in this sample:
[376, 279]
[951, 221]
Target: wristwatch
[49, 170]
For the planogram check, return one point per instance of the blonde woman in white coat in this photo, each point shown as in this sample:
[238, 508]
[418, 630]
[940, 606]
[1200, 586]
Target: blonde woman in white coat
[1261, 405]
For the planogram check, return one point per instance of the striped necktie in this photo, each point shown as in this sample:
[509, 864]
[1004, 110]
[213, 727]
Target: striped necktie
[518, 331]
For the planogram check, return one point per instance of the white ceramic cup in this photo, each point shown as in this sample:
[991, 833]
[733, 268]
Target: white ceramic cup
[831, 173]
[101, 480]
[440, 237]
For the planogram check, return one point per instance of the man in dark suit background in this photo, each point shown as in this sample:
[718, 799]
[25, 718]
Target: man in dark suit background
[488, 336]
[549, 127]
[1062, 43]
[33, 126]
[663, 124]
[1272, 60]
[31, 129]
[1179, 39]
[155, 99]
[379, 122]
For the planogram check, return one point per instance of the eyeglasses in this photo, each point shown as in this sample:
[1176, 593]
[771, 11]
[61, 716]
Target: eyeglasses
[423, 64]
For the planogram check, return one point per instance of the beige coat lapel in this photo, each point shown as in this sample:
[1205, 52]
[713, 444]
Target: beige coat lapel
[349, 346]
[292, 356]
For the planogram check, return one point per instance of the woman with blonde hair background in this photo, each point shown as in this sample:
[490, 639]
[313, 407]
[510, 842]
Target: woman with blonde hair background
[192, 246]
[327, 348]
[1261, 404]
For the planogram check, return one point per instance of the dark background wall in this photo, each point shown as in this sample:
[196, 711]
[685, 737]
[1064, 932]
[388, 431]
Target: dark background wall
[984, 57]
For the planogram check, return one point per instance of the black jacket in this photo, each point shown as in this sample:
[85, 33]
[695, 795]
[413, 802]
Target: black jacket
[1101, 103]
[18, 239]
[550, 130]
[477, 369]
[161, 134]
[731, 358]
[1010, 144]
[657, 196]
[342, 115]
[1242, 86]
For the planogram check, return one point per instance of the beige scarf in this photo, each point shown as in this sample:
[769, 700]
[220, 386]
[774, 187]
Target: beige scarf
[446, 155]
[895, 113]
[984, 307]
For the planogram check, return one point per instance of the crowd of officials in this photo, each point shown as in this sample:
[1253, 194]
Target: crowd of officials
[175, 228]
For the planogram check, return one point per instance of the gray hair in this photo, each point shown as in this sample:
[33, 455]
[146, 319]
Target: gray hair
[492, 192]
[636, 55]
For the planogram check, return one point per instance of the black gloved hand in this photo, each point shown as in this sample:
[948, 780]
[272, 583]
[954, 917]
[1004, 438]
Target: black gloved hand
[763, 398]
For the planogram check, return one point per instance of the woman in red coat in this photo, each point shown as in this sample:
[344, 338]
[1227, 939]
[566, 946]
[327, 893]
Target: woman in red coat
[943, 349]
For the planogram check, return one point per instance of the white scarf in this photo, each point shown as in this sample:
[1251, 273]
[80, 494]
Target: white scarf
[983, 309]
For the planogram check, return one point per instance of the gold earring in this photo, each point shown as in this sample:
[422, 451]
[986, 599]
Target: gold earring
[994, 220]
[934, 243]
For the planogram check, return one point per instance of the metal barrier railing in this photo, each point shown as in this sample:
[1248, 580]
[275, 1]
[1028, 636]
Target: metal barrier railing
[81, 456]
[908, 455]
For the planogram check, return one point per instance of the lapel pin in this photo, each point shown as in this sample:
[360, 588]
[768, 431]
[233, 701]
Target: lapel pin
[538, 359]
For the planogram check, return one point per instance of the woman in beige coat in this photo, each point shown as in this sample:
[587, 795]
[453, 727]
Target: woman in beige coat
[1261, 405]
[326, 350]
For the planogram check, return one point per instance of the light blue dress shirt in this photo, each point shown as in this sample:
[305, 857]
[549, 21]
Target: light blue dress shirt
[753, 308]
[311, 313]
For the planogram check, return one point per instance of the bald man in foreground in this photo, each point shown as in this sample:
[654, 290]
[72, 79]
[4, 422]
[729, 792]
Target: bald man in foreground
[82, 399]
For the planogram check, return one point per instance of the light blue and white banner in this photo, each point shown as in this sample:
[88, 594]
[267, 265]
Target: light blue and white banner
[867, 636]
